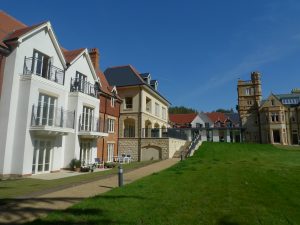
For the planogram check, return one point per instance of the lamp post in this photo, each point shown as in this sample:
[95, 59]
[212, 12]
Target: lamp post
[120, 175]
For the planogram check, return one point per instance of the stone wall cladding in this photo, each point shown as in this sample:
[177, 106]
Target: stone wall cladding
[175, 145]
[129, 146]
[162, 143]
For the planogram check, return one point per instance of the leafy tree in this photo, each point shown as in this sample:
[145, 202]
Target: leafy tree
[181, 110]
[225, 110]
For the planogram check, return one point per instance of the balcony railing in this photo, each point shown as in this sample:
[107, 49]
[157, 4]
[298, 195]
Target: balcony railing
[92, 124]
[43, 69]
[52, 116]
[156, 133]
[83, 86]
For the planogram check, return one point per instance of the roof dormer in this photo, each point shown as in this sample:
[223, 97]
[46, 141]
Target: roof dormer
[146, 77]
[154, 84]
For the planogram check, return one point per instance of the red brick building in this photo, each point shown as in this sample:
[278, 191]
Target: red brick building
[109, 113]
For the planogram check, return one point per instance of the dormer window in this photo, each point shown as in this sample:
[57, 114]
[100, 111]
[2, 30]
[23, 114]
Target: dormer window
[154, 84]
[272, 102]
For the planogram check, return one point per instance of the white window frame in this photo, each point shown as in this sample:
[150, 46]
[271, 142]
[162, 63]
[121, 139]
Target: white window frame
[112, 102]
[156, 109]
[125, 103]
[248, 91]
[111, 125]
[164, 113]
[87, 118]
[110, 152]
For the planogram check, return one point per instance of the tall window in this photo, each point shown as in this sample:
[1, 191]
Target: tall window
[248, 91]
[110, 152]
[129, 128]
[112, 102]
[46, 110]
[87, 119]
[111, 125]
[80, 82]
[128, 103]
[164, 113]
[274, 117]
[41, 64]
[148, 104]
[85, 152]
[156, 109]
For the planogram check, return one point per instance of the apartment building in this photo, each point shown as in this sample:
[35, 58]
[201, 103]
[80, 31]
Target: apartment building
[48, 102]
[109, 112]
[274, 120]
[143, 120]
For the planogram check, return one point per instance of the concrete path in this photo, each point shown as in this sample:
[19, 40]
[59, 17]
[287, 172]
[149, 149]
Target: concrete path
[24, 210]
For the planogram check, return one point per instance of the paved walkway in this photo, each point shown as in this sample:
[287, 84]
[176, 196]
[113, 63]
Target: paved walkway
[24, 210]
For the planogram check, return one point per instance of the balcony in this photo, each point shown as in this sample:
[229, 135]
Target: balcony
[43, 69]
[80, 85]
[90, 127]
[163, 133]
[51, 120]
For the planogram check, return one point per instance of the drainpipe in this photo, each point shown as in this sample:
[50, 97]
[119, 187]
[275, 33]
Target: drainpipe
[140, 126]
[118, 132]
[104, 128]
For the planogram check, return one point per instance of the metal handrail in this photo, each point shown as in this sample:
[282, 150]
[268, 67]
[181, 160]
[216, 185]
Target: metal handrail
[83, 86]
[92, 124]
[52, 116]
[36, 66]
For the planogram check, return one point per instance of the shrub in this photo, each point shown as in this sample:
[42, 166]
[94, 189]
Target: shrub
[110, 165]
[75, 163]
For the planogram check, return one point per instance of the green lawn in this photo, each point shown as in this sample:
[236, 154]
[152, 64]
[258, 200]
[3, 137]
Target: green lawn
[221, 184]
[28, 186]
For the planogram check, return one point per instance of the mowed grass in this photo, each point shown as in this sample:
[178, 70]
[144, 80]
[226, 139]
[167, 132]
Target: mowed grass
[221, 184]
[29, 186]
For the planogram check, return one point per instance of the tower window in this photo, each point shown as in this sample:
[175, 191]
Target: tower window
[248, 91]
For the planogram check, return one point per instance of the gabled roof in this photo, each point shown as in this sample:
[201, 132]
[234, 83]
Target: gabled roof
[8, 24]
[234, 117]
[16, 32]
[182, 118]
[122, 76]
[20, 32]
[71, 55]
[205, 118]
[217, 116]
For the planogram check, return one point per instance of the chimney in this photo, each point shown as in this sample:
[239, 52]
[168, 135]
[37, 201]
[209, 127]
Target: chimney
[95, 57]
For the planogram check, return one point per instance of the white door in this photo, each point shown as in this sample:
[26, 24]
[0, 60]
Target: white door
[41, 156]
[86, 152]
[110, 152]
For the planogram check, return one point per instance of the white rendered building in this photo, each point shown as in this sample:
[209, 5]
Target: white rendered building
[48, 102]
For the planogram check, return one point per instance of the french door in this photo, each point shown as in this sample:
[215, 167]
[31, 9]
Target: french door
[46, 110]
[86, 152]
[41, 156]
[41, 64]
[110, 152]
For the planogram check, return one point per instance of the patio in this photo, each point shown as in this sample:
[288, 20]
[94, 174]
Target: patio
[63, 174]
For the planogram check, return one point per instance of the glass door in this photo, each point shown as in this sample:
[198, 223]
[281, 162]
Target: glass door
[110, 152]
[85, 152]
[46, 110]
[41, 156]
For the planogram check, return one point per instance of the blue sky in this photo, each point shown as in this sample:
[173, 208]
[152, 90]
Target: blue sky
[196, 49]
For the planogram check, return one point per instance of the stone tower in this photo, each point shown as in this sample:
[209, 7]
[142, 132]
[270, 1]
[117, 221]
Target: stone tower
[249, 99]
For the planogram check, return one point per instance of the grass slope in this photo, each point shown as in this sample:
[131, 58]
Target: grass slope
[221, 184]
